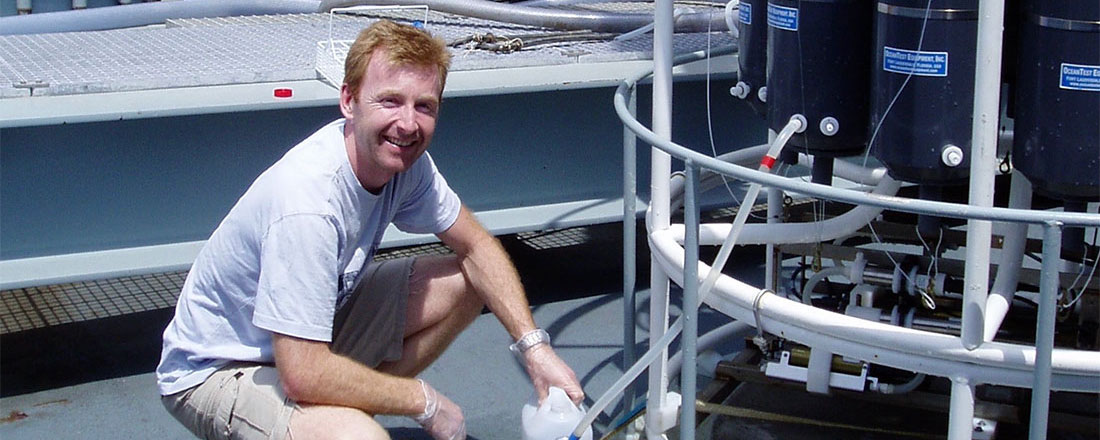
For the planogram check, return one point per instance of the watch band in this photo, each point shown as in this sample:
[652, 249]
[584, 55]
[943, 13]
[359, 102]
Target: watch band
[530, 339]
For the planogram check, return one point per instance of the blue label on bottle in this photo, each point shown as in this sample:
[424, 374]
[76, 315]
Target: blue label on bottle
[744, 13]
[919, 63]
[1080, 77]
[781, 17]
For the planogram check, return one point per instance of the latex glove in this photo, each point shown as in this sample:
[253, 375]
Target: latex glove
[547, 369]
[441, 417]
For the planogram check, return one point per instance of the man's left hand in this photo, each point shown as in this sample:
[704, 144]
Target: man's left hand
[547, 369]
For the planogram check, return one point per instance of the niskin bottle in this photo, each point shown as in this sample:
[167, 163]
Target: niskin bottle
[555, 419]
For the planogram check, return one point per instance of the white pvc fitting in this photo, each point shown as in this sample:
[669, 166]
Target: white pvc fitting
[801, 123]
[740, 91]
[951, 155]
[829, 126]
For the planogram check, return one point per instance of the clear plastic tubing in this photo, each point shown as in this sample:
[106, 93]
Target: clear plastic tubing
[794, 125]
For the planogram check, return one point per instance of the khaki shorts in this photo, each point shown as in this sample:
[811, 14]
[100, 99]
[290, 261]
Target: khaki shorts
[239, 401]
[246, 400]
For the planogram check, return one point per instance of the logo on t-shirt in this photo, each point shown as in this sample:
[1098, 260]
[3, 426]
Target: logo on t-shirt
[346, 284]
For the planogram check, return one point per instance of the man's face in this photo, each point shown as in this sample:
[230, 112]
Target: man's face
[392, 118]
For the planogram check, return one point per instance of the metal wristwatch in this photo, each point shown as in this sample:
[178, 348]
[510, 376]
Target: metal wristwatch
[528, 340]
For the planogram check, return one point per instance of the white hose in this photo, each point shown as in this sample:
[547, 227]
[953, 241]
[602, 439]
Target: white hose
[808, 290]
[1012, 254]
[793, 125]
[732, 7]
[848, 171]
[709, 340]
[792, 233]
[902, 388]
[742, 215]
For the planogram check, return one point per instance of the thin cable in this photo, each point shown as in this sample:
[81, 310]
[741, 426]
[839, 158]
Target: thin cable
[878, 126]
[926, 295]
[710, 119]
[897, 266]
[802, 94]
[1081, 267]
[1095, 262]
[934, 265]
[1084, 264]
[885, 113]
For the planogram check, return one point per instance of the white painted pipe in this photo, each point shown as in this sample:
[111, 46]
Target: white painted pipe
[657, 420]
[771, 255]
[960, 422]
[1012, 254]
[659, 215]
[983, 152]
[941, 355]
[658, 407]
[772, 262]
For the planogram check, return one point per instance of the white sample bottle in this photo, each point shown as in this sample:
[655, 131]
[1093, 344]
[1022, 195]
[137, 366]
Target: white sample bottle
[555, 419]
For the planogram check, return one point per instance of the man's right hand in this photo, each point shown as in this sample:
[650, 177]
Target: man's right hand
[442, 418]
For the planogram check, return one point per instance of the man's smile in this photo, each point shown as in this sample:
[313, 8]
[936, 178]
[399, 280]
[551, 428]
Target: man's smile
[400, 143]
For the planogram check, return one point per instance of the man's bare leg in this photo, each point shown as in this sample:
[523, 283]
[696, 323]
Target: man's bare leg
[324, 422]
[441, 304]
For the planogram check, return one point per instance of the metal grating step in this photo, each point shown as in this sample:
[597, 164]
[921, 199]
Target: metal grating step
[43, 306]
[255, 49]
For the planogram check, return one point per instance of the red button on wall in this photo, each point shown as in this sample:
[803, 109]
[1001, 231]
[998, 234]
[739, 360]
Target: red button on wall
[284, 93]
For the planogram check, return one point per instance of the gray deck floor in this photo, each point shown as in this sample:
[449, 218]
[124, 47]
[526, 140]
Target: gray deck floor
[477, 372]
[578, 300]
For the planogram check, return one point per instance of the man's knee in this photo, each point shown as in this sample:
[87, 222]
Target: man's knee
[439, 292]
[442, 274]
[334, 423]
[437, 274]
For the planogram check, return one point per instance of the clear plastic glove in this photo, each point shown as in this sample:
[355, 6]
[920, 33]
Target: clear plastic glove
[547, 369]
[441, 417]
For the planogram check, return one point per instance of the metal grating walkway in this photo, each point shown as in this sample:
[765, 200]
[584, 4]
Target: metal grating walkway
[43, 306]
[241, 50]
[35, 307]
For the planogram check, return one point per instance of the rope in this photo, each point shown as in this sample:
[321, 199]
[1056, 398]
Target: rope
[508, 44]
[726, 410]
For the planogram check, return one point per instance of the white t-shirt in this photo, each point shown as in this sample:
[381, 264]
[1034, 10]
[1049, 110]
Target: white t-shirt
[288, 252]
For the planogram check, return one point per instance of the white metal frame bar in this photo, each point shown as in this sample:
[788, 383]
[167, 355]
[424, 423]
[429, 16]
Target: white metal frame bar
[110, 263]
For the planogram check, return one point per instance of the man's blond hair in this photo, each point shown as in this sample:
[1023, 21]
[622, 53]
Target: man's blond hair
[403, 44]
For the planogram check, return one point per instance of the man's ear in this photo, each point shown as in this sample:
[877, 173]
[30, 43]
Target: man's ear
[345, 101]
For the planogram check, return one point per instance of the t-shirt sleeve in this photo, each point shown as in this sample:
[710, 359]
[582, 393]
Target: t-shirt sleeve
[428, 206]
[296, 295]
